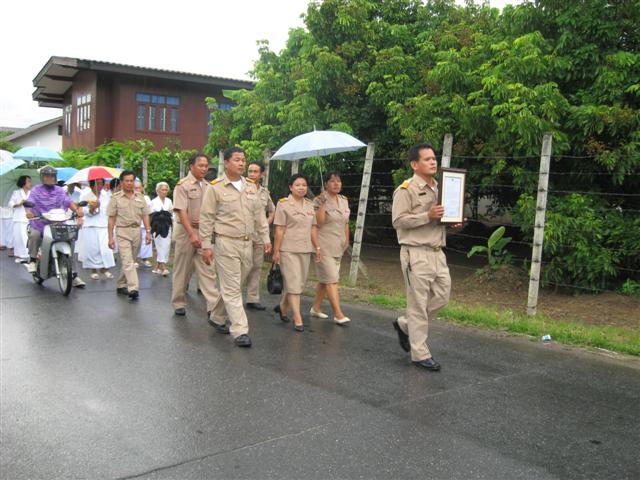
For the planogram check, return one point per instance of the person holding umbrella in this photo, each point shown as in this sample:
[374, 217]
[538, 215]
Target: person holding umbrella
[96, 253]
[296, 239]
[332, 217]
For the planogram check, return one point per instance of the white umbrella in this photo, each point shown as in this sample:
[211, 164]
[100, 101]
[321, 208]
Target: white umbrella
[5, 155]
[317, 144]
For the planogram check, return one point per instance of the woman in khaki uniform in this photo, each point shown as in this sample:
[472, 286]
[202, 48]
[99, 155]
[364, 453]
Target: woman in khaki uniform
[332, 216]
[295, 239]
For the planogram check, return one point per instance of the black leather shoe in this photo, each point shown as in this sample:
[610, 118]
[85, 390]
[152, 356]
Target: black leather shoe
[222, 329]
[430, 364]
[133, 294]
[122, 290]
[242, 341]
[256, 306]
[298, 328]
[181, 312]
[402, 337]
[283, 318]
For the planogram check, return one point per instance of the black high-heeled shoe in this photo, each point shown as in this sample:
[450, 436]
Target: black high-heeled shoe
[283, 318]
[298, 328]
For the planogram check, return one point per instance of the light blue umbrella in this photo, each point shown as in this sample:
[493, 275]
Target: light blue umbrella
[65, 173]
[37, 154]
[8, 165]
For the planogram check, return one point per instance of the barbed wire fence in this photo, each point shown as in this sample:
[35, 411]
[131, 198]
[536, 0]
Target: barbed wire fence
[369, 185]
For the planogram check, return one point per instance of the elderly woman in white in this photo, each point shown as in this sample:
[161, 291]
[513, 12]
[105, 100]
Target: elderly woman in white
[20, 221]
[96, 253]
[162, 203]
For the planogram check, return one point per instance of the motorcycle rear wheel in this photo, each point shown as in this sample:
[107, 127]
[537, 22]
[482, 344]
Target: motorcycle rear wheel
[65, 280]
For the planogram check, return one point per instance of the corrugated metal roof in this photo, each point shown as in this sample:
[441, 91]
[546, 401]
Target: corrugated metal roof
[36, 126]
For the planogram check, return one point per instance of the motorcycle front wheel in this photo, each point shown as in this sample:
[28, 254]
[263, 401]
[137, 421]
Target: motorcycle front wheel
[65, 280]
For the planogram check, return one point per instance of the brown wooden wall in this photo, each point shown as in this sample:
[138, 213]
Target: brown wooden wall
[114, 106]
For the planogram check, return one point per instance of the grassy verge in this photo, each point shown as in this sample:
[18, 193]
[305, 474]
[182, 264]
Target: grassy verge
[571, 333]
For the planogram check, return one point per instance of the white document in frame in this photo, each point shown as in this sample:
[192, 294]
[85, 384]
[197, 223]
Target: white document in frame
[452, 197]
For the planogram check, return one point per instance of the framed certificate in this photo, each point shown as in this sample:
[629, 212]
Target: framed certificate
[451, 194]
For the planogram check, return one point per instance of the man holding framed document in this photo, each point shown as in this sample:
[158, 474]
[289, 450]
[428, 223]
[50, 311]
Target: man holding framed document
[419, 212]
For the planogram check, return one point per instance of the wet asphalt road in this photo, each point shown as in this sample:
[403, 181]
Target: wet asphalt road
[94, 386]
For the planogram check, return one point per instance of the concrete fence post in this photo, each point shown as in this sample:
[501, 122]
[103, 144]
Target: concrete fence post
[538, 233]
[362, 212]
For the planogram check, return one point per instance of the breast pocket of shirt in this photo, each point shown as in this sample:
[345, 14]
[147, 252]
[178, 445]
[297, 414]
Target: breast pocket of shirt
[226, 203]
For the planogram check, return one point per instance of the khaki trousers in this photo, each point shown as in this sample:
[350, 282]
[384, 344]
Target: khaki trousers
[186, 260]
[428, 286]
[233, 262]
[253, 279]
[128, 240]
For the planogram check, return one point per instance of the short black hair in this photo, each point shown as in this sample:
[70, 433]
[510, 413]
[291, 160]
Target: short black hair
[196, 156]
[126, 173]
[327, 176]
[260, 165]
[226, 155]
[114, 183]
[296, 176]
[212, 174]
[414, 152]
[22, 180]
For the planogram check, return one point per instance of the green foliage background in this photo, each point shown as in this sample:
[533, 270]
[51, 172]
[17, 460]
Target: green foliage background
[397, 72]
[163, 165]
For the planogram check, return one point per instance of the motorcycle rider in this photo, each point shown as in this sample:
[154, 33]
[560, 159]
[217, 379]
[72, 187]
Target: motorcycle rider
[47, 196]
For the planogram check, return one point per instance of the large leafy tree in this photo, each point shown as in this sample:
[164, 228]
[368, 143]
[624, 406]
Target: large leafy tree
[400, 71]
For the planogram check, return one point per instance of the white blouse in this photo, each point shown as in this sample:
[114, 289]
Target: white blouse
[19, 214]
[99, 217]
[158, 205]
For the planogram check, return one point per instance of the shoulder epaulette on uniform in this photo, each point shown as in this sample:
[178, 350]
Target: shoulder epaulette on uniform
[405, 184]
[181, 181]
[216, 180]
[343, 196]
[284, 199]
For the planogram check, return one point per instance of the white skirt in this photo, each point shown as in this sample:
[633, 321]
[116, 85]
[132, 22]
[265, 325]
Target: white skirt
[95, 251]
[20, 238]
[146, 251]
[6, 236]
[163, 246]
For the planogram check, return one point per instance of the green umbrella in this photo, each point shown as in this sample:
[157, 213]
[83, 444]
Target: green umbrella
[9, 179]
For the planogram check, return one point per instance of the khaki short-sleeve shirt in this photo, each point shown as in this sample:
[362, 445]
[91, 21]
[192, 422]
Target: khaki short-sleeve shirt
[228, 212]
[188, 196]
[297, 221]
[128, 211]
[331, 234]
[411, 202]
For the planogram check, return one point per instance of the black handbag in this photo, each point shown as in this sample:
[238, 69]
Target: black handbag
[274, 280]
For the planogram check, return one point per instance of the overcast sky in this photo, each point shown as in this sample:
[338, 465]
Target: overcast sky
[197, 36]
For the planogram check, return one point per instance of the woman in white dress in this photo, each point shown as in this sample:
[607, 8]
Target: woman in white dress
[146, 251]
[163, 244]
[20, 221]
[6, 234]
[96, 253]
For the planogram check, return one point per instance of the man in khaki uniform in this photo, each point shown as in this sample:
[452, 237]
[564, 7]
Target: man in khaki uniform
[415, 216]
[231, 213]
[126, 210]
[187, 200]
[255, 173]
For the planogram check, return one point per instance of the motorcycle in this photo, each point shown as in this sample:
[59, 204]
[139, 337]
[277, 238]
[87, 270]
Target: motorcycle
[55, 254]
